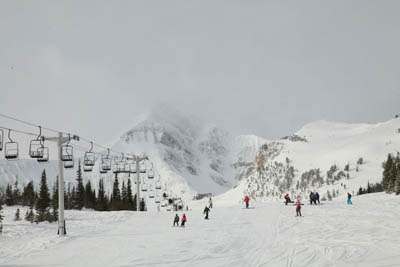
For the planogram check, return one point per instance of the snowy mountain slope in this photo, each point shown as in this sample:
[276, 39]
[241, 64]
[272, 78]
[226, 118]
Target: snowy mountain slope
[300, 163]
[366, 233]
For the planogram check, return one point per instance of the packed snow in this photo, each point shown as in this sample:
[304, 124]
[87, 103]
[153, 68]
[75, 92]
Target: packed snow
[366, 233]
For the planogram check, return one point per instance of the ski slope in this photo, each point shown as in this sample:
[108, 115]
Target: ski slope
[333, 234]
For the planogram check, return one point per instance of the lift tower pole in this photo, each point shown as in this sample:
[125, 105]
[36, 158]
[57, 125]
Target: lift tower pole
[137, 160]
[60, 141]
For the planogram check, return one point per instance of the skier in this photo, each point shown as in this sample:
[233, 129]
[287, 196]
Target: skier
[312, 198]
[298, 208]
[349, 199]
[183, 220]
[176, 220]
[210, 204]
[317, 198]
[206, 211]
[287, 198]
[164, 195]
[246, 200]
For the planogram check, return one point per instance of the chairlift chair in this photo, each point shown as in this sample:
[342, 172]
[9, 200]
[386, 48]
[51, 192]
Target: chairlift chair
[87, 168]
[157, 200]
[102, 169]
[69, 164]
[67, 153]
[89, 159]
[158, 185]
[44, 151]
[106, 162]
[150, 174]
[11, 150]
[142, 167]
[144, 186]
[34, 146]
[151, 193]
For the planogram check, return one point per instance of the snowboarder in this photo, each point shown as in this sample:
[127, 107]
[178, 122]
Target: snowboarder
[176, 220]
[349, 199]
[317, 198]
[298, 208]
[206, 211]
[210, 204]
[287, 198]
[183, 220]
[246, 200]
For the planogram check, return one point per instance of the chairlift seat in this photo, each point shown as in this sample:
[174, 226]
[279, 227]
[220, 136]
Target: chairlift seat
[87, 168]
[11, 150]
[45, 155]
[67, 153]
[68, 164]
[150, 175]
[34, 151]
[89, 159]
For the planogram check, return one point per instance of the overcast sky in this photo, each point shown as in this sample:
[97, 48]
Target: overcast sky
[262, 67]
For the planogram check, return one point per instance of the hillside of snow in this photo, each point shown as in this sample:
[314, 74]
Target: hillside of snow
[332, 234]
[315, 158]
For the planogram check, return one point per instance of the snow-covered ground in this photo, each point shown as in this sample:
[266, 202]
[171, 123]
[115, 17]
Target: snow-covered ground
[333, 234]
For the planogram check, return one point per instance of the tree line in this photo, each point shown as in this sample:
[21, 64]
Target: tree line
[391, 174]
[43, 206]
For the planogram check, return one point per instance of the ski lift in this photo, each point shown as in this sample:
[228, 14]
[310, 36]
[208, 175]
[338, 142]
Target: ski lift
[164, 203]
[1, 139]
[89, 159]
[11, 150]
[169, 208]
[87, 168]
[158, 199]
[144, 186]
[34, 146]
[44, 151]
[151, 193]
[158, 183]
[67, 153]
[121, 166]
[150, 174]
[69, 164]
[106, 161]
[142, 167]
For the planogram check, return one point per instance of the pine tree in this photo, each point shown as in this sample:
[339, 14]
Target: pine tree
[54, 202]
[1, 208]
[90, 196]
[17, 216]
[392, 176]
[9, 200]
[116, 195]
[124, 197]
[28, 196]
[80, 190]
[386, 173]
[102, 202]
[43, 201]
[397, 180]
[17, 198]
[129, 195]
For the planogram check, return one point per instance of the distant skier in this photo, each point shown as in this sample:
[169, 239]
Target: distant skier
[206, 211]
[164, 195]
[176, 220]
[210, 203]
[312, 199]
[298, 208]
[183, 220]
[349, 199]
[317, 198]
[287, 198]
[246, 200]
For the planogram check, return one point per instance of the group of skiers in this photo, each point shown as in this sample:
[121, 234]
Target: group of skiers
[183, 220]
[314, 198]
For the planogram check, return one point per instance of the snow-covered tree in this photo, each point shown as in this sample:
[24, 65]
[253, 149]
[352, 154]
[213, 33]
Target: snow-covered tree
[43, 201]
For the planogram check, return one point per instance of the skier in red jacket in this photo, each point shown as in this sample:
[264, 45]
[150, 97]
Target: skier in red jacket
[246, 200]
[183, 220]
[298, 208]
